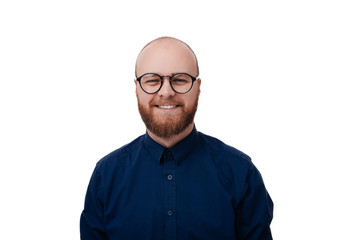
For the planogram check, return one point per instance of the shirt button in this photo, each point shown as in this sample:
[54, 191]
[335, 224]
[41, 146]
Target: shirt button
[169, 177]
[170, 213]
[168, 153]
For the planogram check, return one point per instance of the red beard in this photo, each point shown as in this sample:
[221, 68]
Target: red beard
[169, 124]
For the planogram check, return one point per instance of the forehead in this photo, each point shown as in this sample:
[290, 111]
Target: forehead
[166, 57]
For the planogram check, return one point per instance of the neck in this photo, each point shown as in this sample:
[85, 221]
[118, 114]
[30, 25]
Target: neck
[173, 140]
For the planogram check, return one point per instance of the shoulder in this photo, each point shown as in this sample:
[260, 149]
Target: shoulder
[227, 152]
[229, 160]
[121, 155]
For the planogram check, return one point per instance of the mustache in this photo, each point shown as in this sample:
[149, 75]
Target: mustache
[165, 102]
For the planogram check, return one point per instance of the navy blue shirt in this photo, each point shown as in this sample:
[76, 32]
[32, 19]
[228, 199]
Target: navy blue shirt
[199, 189]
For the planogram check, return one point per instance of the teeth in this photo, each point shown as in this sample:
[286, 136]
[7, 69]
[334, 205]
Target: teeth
[166, 106]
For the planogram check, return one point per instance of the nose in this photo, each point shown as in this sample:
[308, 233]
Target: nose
[166, 89]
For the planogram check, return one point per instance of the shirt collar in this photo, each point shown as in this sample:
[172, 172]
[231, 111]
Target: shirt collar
[180, 151]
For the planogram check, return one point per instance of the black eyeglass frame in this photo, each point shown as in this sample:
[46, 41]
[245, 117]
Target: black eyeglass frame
[170, 78]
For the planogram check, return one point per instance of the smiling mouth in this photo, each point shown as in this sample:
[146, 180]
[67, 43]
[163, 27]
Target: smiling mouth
[167, 106]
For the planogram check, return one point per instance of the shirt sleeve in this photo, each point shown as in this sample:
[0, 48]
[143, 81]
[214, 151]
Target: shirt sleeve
[91, 220]
[255, 211]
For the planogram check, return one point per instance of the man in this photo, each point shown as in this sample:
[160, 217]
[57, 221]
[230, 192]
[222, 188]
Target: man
[174, 182]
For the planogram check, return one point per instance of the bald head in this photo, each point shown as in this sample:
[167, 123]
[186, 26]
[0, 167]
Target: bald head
[166, 55]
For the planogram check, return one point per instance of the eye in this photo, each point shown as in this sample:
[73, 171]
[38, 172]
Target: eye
[181, 79]
[150, 80]
[177, 80]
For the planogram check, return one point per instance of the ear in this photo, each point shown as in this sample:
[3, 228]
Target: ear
[199, 83]
[135, 81]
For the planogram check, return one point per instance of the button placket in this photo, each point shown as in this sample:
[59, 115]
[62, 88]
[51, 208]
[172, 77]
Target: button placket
[170, 195]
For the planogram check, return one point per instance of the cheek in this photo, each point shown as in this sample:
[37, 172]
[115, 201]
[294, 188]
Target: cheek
[192, 99]
[143, 98]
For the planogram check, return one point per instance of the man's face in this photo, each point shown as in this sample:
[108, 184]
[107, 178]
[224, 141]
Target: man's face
[167, 113]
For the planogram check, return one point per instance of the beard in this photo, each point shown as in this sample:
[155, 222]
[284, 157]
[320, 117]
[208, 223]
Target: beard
[167, 125]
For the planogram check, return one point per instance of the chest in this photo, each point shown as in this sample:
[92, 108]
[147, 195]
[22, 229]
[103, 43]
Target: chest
[170, 201]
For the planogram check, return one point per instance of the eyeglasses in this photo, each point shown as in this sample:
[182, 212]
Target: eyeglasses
[180, 82]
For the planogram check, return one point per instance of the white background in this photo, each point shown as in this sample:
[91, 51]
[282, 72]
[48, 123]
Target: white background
[280, 81]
